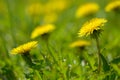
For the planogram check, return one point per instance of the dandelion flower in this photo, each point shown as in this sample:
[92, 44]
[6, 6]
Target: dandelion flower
[50, 18]
[34, 9]
[60, 5]
[93, 28]
[93, 25]
[79, 43]
[87, 9]
[3, 8]
[55, 6]
[22, 49]
[41, 30]
[115, 5]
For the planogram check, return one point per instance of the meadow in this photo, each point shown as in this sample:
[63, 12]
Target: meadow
[59, 40]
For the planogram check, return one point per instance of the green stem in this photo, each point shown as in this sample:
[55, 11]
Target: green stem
[48, 48]
[99, 61]
[27, 58]
[37, 73]
[55, 60]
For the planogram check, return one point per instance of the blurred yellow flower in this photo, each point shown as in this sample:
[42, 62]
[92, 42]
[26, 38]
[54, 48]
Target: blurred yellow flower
[35, 9]
[22, 49]
[40, 30]
[80, 43]
[60, 5]
[114, 5]
[55, 6]
[91, 26]
[50, 18]
[87, 9]
[3, 8]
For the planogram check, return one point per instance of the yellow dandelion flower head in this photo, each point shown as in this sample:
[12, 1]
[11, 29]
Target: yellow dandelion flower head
[55, 5]
[50, 18]
[41, 30]
[87, 9]
[48, 8]
[3, 8]
[80, 43]
[60, 5]
[91, 25]
[34, 9]
[22, 49]
[113, 6]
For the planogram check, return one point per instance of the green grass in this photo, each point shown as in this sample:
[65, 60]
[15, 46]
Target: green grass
[53, 59]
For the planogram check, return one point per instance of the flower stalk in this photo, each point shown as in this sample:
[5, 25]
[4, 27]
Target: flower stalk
[93, 28]
[27, 59]
[98, 53]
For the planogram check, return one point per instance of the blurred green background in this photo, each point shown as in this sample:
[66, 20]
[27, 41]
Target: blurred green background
[17, 23]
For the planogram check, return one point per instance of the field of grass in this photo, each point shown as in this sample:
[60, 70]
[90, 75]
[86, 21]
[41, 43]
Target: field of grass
[51, 57]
